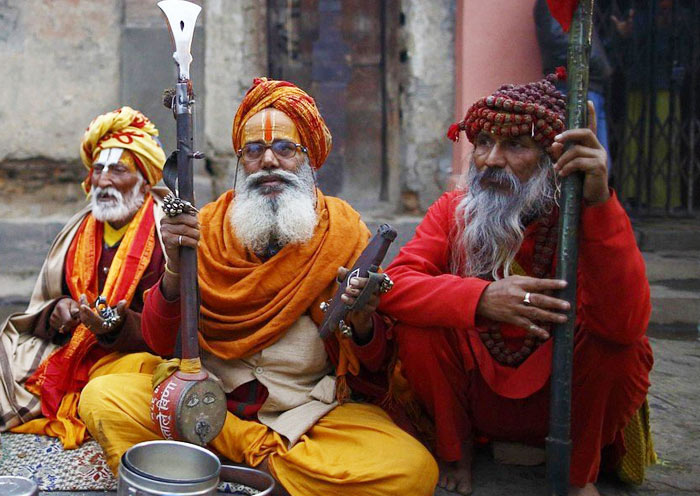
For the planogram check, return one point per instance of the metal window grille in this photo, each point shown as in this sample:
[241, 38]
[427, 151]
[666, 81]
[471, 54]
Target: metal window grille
[653, 104]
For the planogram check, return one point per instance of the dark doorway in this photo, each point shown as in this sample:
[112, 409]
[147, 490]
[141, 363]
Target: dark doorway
[344, 53]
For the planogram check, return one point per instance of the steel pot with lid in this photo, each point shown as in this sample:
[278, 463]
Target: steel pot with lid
[177, 468]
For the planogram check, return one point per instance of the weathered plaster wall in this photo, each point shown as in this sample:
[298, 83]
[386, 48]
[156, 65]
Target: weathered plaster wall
[492, 49]
[235, 53]
[60, 70]
[427, 100]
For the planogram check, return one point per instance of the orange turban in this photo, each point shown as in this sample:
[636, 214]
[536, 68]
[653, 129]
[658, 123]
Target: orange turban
[124, 128]
[295, 103]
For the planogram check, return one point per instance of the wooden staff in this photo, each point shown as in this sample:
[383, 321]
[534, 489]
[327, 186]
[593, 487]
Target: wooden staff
[559, 441]
[188, 405]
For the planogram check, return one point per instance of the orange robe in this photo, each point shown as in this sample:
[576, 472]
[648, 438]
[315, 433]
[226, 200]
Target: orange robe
[59, 378]
[248, 304]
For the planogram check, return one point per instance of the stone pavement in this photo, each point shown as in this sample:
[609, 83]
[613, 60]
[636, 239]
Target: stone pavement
[674, 400]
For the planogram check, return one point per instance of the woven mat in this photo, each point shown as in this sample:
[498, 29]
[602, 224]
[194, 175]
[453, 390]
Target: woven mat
[44, 460]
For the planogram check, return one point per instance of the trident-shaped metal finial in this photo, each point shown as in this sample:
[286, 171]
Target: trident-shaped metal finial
[181, 17]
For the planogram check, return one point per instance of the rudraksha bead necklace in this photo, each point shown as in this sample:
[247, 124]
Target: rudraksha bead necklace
[543, 254]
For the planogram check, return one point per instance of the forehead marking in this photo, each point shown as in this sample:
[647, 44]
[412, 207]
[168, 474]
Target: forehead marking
[109, 157]
[268, 125]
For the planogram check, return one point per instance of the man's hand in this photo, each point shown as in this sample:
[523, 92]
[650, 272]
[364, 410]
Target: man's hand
[587, 155]
[359, 319]
[181, 230]
[504, 301]
[65, 316]
[93, 321]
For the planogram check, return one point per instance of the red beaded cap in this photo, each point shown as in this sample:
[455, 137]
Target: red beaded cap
[536, 109]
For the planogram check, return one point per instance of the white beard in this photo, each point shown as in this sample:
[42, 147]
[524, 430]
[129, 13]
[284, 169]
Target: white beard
[122, 208]
[287, 218]
[490, 222]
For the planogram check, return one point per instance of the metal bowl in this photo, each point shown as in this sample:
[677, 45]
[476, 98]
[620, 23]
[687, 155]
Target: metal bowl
[17, 486]
[173, 467]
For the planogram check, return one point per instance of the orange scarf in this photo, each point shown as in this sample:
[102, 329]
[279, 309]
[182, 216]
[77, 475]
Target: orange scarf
[248, 304]
[59, 379]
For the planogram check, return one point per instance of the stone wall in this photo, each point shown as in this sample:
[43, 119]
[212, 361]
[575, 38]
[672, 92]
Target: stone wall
[236, 52]
[70, 60]
[59, 71]
[427, 100]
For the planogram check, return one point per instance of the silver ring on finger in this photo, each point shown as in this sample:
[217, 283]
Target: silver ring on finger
[386, 285]
[526, 301]
[532, 327]
[179, 242]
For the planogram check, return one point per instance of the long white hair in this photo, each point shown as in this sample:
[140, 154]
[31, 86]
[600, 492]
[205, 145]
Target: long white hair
[490, 222]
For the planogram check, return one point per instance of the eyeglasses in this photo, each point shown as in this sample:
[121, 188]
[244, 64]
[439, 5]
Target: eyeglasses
[252, 152]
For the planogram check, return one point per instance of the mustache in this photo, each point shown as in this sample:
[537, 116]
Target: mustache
[109, 190]
[259, 178]
[499, 176]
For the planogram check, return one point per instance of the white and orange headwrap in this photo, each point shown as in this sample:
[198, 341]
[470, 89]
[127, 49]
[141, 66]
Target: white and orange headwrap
[129, 129]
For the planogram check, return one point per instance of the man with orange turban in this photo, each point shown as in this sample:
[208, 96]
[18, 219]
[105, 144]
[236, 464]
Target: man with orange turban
[270, 251]
[85, 308]
[474, 293]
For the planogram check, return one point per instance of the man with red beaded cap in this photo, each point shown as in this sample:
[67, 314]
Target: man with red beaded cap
[109, 250]
[269, 254]
[473, 288]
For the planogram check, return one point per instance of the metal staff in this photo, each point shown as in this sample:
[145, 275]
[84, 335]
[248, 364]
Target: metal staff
[188, 405]
[558, 441]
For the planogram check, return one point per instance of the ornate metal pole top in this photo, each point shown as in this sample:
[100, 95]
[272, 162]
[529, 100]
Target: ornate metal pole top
[181, 17]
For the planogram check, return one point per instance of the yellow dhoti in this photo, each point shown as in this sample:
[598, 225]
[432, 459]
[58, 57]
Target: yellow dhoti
[66, 426]
[354, 450]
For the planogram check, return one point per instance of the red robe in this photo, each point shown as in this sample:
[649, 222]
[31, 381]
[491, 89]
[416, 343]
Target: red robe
[466, 391]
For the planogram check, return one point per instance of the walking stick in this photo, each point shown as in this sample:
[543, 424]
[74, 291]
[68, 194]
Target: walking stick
[188, 405]
[558, 441]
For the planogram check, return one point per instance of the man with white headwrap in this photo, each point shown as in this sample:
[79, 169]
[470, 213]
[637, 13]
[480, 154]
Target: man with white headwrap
[107, 255]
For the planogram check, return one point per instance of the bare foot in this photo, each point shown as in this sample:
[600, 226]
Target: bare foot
[457, 476]
[587, 490]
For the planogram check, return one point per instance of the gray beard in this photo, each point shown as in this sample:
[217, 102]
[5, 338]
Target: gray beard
[490, 223]
[287, 218]
[123, 208]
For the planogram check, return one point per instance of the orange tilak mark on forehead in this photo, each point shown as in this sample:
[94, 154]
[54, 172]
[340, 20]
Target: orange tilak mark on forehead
[268, 125]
